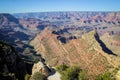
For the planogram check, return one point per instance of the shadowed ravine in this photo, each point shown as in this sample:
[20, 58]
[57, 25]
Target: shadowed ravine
[104, 48]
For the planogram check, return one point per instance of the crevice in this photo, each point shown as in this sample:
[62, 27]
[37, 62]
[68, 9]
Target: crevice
[104, 48]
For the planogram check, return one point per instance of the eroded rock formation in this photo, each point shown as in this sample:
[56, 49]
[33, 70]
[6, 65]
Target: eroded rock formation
[86, 52]
[41, 68]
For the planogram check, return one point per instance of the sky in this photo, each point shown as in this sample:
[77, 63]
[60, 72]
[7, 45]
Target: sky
[23, 6]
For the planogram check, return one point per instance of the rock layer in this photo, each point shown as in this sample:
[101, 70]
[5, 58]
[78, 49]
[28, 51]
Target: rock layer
[85, 52]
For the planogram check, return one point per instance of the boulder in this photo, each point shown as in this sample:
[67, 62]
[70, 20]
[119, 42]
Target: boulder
[41, 68]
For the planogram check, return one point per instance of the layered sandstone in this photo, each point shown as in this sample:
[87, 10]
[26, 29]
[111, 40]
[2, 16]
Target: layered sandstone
[86, 52]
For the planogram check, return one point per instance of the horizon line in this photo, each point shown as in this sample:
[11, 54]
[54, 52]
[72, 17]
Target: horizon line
[53, 11]
[59, 11]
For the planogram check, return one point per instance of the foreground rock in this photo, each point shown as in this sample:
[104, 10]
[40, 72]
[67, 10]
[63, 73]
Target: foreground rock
[41, 68]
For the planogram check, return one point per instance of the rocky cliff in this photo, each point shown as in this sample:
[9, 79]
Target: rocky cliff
[88, 52]
[11, 66]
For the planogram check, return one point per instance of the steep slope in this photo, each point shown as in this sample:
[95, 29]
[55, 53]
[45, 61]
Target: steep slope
[13, 32]
[11, 66]
[87, 52]
[9, 23]
[112, 42]
[7, 18]
[10, 27]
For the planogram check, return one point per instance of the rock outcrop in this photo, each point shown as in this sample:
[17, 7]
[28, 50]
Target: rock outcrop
[41, 68]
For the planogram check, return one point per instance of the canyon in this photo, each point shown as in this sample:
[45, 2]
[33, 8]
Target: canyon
[90, 40]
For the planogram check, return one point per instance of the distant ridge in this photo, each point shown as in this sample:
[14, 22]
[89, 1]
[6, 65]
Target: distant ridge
[5, 17]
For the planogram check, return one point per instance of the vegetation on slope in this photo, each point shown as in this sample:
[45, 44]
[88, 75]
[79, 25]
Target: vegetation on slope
[12, 66]
[10, 63]
[71, 72]
[105, 76]
[76, 73]
[38, 76]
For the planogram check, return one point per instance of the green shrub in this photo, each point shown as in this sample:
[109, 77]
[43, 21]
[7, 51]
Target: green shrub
[82, 75]
[38, 76]
[105, 76]
[71, 73]
[61, 68]
[27, 77]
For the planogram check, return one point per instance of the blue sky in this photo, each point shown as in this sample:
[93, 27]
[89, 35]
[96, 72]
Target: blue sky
[21, 6]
